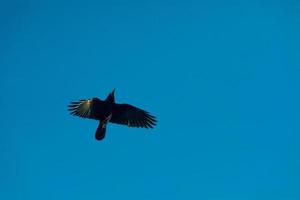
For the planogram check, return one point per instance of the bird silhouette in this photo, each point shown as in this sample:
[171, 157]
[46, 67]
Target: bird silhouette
[108, 111]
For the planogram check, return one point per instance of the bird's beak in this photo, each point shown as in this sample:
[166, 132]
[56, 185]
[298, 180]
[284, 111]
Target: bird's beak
[113, 92]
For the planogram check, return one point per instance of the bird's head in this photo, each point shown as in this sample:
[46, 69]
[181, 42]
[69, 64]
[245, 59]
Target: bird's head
[113, 92]
[111, 96]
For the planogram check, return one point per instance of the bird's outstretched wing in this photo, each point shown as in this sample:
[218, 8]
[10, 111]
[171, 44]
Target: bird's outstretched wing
[132, 116]
[84, 108]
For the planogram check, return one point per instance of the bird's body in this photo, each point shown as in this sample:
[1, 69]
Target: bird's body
[108, 111]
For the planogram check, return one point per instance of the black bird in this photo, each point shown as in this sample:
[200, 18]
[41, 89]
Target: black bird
[108, 111]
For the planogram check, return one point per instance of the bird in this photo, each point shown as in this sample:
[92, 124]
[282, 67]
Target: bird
[108, 111]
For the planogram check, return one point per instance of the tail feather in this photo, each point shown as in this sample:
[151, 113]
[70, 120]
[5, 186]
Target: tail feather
[100, 132]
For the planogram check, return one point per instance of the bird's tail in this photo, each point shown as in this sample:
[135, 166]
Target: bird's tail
[100, 132]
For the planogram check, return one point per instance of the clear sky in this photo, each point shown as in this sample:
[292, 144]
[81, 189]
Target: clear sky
[222, 77]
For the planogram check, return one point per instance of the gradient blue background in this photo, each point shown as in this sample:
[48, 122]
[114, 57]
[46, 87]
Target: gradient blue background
[223, 78]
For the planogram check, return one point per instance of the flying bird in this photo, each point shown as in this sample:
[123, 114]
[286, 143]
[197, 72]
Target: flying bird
[108, 111]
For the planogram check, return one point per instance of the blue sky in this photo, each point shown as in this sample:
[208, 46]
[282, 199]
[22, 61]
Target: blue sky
[222, 77]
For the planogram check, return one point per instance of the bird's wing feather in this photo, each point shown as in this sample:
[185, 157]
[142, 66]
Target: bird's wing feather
[132, 116]
[84, 108]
